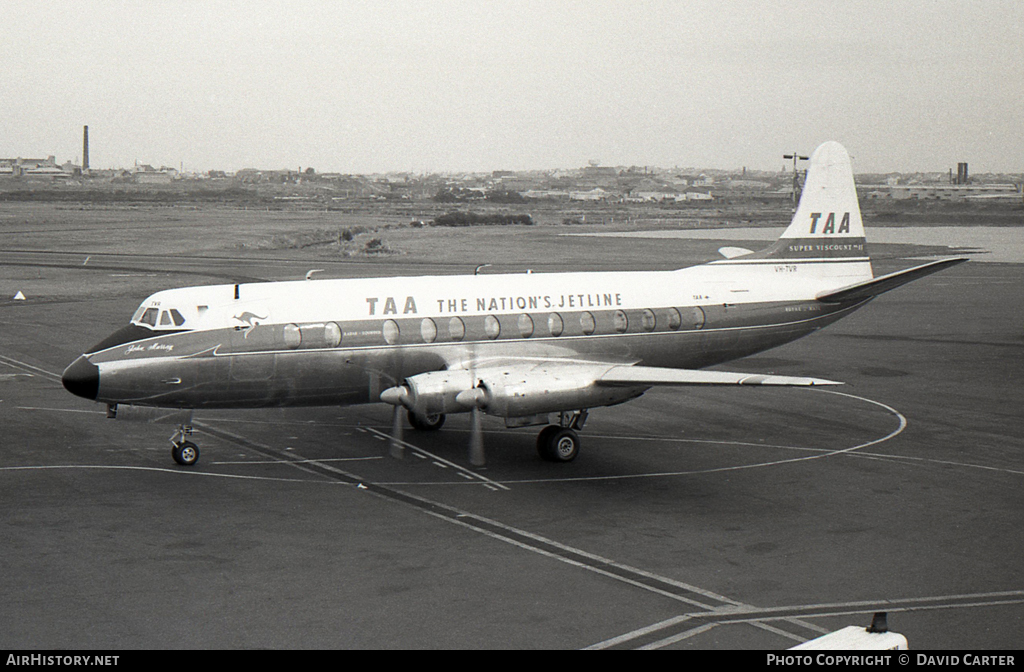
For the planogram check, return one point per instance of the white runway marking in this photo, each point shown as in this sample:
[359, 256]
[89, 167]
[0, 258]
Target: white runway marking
[759, 617]
[29, 368]
[178, 472]
[819, 454]
[465, 473]
[329, 459]
[732, 612]
[60, 410]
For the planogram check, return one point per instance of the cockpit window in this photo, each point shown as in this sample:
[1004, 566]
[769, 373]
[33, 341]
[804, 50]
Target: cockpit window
[150, 317]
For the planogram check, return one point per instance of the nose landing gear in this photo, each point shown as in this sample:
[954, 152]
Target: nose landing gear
[184, 452]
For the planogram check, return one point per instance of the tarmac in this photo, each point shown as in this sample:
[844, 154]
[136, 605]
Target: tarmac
[693, 519]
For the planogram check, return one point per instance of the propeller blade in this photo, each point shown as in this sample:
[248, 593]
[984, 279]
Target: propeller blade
[399, 398]
[397, 447]
[476, 439]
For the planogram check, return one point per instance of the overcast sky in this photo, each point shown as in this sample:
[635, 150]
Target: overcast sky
[390, 85]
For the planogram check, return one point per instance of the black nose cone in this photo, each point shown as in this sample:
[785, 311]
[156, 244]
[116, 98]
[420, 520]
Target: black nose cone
[82, 378]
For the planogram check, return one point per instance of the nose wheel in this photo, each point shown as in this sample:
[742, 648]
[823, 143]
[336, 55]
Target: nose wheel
[184, 452]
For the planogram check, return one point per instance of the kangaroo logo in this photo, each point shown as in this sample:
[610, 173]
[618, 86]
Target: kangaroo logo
[250, 320]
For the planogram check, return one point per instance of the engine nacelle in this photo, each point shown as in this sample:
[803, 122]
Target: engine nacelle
[435, 391]
[520, 393]
[508, 392]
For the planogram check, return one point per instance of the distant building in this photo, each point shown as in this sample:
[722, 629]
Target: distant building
[32, 168]
[147, 174]
[596, 194]
[954, 192]
[153, 177]
[749, 185]
[654, 196]
[556, 194]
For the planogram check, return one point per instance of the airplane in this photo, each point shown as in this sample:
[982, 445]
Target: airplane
[532, 348]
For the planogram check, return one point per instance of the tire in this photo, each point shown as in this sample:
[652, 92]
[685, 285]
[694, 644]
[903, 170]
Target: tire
[544, 438]
[558, 444]
[186, 453]
[429, 423]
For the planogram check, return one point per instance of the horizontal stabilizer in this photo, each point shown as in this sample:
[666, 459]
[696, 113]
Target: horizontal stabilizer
[876, 286]
[652, 375]
[733, 252]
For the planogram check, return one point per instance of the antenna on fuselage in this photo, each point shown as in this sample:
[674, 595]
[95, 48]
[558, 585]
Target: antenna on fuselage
[310, 272]
[477, 271]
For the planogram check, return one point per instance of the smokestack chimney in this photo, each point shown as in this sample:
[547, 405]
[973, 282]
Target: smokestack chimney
[961, 173]
[85, 148]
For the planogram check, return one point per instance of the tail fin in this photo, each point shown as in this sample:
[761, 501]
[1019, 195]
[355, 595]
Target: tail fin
[827, 224]
[825, 240]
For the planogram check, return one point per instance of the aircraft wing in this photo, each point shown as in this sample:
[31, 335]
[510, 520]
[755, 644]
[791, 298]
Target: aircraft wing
[876, 286]
[633, 376]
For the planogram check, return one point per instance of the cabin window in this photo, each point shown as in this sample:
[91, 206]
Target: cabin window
[621, 322]
[492, 327]
[648, 321]
[555, 324]
[165, 319]
[391, 332]
[587, 323]
[332, 335]
[456, 329]
[675, 320]
[525, 325]
[176, 317]
[292, 336]
[698, 318]
[428, 330]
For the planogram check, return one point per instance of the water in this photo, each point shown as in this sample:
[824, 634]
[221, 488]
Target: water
[979, 243]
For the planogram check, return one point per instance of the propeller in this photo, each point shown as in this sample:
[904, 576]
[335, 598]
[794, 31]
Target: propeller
[397, 397]
[475, 398]
[397, 446]
[476, 439]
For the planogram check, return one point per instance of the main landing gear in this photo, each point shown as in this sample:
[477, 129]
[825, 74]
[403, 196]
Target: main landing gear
[561, 442]
[555, 443]
[184, 452]
[429, 423]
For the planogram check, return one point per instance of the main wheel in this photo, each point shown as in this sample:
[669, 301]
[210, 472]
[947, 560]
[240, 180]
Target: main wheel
[185, 453]
[558, 444]
[430, 423]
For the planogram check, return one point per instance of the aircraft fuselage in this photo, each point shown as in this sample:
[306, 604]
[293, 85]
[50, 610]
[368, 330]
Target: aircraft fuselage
[371, 335]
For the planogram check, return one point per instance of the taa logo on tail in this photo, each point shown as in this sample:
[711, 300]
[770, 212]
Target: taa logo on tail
[829, 225]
